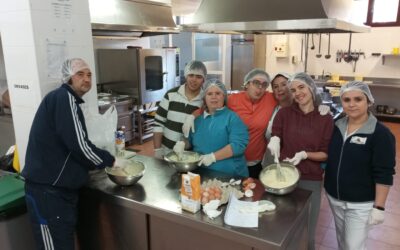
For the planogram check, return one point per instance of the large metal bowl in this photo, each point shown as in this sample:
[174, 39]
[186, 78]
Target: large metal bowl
[126, 177]
[282, 190]
[183, 166]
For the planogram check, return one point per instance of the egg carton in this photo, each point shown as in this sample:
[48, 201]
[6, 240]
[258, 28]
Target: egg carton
[226, 189]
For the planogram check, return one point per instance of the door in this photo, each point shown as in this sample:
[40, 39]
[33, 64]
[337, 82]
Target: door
[153, 75]
[242, 62]
[172, 61]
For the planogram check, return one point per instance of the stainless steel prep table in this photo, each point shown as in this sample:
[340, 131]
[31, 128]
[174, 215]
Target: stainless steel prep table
[148, 216]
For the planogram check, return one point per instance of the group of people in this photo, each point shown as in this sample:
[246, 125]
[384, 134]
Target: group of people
[236, 134]
[241, 133]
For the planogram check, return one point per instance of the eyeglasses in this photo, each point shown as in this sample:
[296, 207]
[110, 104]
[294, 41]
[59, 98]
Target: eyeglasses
[260, 85]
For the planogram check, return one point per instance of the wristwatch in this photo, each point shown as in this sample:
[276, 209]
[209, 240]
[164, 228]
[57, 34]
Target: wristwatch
[379, 208]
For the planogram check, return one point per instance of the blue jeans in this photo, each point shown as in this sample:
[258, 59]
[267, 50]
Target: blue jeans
[53, 212]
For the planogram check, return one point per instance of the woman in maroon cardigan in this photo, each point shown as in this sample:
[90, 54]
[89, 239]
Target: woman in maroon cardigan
[301, 135]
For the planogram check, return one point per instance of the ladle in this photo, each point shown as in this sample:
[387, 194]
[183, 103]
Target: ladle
[329, 47]
[312, 42]
[349, 57]
[319, 48]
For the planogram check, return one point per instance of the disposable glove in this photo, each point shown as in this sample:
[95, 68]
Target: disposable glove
[207, 159]
[159, 153]
[324, 109]
[274, 146]
[298, 157]
[376, 217]
[188, 125]
[179, 147]
[121, 162]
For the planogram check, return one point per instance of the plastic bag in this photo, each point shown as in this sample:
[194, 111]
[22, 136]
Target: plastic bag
[101, 128]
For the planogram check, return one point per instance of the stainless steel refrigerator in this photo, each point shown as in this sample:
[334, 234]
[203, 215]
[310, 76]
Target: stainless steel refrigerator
[242, 61]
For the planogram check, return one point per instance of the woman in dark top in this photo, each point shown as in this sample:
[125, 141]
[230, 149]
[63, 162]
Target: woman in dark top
[360, 168]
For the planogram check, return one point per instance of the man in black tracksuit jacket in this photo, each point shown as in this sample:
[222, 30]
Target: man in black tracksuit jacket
[58, 158]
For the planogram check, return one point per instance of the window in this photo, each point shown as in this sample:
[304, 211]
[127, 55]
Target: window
[383, 13]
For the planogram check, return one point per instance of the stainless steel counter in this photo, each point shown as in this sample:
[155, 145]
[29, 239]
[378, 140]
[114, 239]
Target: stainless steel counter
[148, 215]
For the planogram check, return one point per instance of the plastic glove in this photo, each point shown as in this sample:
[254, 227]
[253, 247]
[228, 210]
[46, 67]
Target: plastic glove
[179, 147]
[274, 146]
[298, 157]
[376, 217]
[324, 109]
[188, 125]
[121, 163]
[159, 153]
[207, 159]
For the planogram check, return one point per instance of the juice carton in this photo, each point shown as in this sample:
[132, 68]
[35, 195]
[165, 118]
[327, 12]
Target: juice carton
[191, 192]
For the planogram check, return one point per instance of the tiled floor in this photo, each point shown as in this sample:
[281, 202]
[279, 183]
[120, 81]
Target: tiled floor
[382, 237]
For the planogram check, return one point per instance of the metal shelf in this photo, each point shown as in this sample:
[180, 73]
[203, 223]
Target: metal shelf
[388, 56]
[144, 124]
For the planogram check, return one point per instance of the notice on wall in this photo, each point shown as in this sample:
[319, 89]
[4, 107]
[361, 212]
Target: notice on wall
[61, 8]
[56, 54]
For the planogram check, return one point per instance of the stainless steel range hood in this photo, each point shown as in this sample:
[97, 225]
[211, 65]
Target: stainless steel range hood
[130, 18]
[274, 16]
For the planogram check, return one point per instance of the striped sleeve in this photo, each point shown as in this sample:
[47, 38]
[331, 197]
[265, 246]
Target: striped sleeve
[161, 114]
[73, 133]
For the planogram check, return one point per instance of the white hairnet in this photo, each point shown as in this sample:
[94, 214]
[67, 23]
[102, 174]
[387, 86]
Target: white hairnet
[256, 73]
[306, 79]
[71, 66]
[195, 68]
[360, 86]
[283, 74]
[215, 82]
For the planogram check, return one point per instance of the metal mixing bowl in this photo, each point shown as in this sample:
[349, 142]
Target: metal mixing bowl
[127, 180]
[284, 190]
[183, 166]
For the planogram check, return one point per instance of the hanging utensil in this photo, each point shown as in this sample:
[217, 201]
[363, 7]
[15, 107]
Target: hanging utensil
[312, 42]
[329, 47]
[348, 57]
[301, 50]
[319, 47]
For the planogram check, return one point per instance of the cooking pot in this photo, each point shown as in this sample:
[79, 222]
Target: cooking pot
[292, 180]
[381, 108]
[390, 111]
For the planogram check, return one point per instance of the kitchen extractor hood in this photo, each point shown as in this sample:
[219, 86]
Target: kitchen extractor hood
[274, 16]
[130, 18]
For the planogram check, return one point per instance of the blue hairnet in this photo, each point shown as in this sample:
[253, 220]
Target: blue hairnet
[306, 79]
[217, 83]
[195, 68]
[360, 86]
[259, 73]
[71, 66]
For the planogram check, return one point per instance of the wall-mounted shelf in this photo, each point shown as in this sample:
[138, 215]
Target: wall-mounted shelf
[384, 56]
